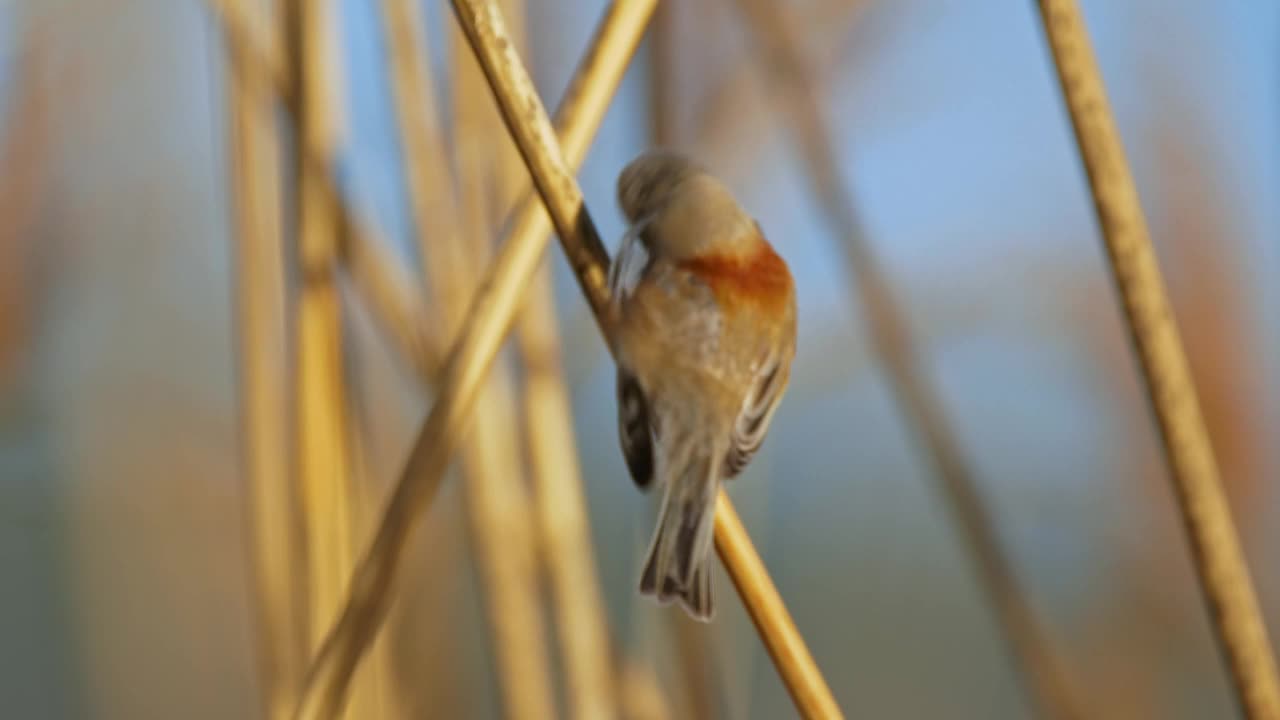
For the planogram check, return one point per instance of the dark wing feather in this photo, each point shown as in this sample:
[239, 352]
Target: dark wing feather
[753, 420]
[634, 429]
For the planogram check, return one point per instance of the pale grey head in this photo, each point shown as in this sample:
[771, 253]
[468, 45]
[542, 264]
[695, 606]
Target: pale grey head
[684, 211]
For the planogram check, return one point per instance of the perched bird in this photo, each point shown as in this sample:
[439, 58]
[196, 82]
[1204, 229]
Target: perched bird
[706, 331]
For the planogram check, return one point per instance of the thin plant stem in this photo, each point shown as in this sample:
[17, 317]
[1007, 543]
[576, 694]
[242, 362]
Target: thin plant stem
[1044, 681]
[563, 526]
[324, 460]
[562, 519]
[327, 476]
[774, 624]
[1219, 561]
[498, 499]
[528, 124]
[491, 314]
[432, 198]
[564, 532]
[380, 695]
[390, 295]
[510, 179]
[258, 49]
[496, 496]
[535, 136]
[261, 309]
[662, 96]
[500, 516]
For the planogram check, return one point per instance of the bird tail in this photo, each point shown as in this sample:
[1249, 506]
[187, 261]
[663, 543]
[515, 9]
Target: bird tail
[679, 562]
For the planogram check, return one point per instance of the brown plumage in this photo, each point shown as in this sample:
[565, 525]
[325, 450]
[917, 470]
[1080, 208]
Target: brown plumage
[707, 326]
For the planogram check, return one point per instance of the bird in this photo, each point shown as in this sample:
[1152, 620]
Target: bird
[705, 329]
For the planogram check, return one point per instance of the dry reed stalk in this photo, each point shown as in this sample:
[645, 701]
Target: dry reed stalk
[433, 202]
[535, 136]
[1218, 323]
[564, 530]
[496, 496]
[1043, 679]
[511, 180]
[255, 47]
[475, 133]
[662, 91]
[502, 533]
[528, 124]
[1219, 561]
[778, 631]
[391, 296]
[394, 299]
[432, 198]
[491, 314]
[275, 538]
[431, 195]
[498, 502]
[382, 695]
[325, 462]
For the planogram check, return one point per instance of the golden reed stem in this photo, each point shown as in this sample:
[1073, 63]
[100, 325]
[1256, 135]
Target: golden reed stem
[566, 543]
[1219, 561]
[497, 492]
[275, 537]
[393, 299]
[328, 476]
[790, 655]
[323, 426]
[491, 315]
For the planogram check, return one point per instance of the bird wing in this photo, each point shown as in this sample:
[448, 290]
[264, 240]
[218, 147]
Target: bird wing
[635, 430]
[630, 263]
[752, 422]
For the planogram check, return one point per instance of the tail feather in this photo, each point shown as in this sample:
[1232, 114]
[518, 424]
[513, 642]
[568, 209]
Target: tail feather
[679, 562]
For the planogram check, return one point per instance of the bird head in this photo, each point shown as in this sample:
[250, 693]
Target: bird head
[681, 210]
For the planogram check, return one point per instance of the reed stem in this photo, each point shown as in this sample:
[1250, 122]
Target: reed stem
[327, 473]
[499, 503]
[562, 510]
[274, 532]
[1219, 562]
[491, 314]
[391, 296]
[323, 426]
[777, 630]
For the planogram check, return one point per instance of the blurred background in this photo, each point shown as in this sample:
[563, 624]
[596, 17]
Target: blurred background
[126, 547]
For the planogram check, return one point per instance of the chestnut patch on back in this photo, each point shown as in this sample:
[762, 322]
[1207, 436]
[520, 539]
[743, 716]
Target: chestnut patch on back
[759, 276]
